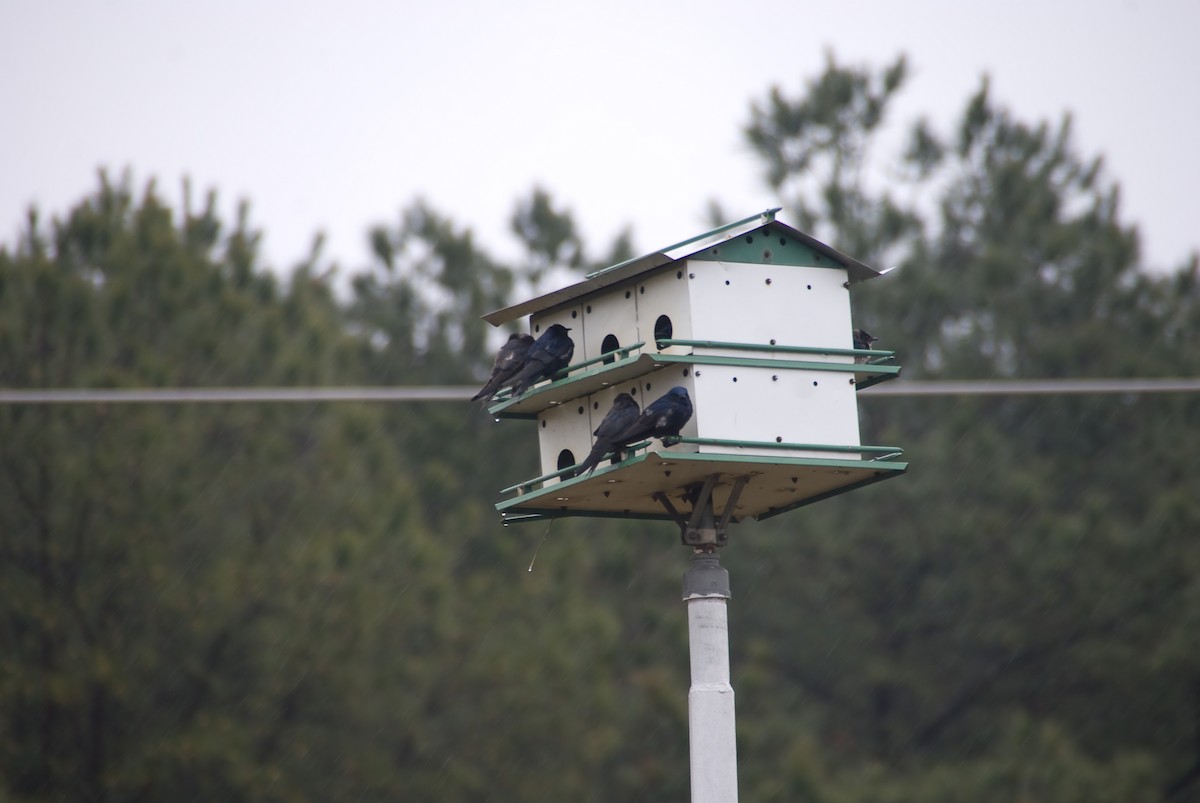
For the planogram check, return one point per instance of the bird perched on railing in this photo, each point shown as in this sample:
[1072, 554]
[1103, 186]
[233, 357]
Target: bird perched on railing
[548, 355]
[862, 340]
[620, 416]
[509, 361]
[662, 418]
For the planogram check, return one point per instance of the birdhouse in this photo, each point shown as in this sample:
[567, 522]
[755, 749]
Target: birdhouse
[754, 320]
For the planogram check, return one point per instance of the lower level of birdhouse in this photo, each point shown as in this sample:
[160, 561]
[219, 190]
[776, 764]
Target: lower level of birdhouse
[739, 409]
[637, 487]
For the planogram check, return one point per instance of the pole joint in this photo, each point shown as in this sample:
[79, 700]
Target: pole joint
[706, 577]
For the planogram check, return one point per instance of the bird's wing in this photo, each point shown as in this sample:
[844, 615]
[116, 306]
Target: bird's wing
[511, 358]
[617, 420]
[638, 429]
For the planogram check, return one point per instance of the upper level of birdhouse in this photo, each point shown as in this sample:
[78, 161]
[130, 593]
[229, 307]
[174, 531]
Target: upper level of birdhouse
[757, 281]
[754, 320]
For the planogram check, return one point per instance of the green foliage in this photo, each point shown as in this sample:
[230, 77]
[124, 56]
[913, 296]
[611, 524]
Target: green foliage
[549, 236]
[418, 313]
[290, 601]
[815, 149]
[285, 602]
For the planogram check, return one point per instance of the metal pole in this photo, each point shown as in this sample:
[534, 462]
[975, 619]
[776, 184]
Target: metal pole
[710, 699]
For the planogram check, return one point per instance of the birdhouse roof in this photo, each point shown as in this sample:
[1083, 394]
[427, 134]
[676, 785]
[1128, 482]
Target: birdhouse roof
[722, 243]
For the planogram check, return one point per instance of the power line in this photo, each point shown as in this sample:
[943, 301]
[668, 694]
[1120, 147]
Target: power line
[236, 395]
[454, 393]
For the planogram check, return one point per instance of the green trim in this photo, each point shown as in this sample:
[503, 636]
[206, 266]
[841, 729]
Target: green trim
[536, 480]
[830, 494]
[876, 379]
[685, 249]
[717, 344]
[817, 462]
[879, 472]
[889, 451]
[564, 377]
[805, 447]
[544, 514]
[565, 471]
[605, 358]
[763, 248]
[608, 355]
[875, 373]
[766, 217]
[592, 372]
[758, 362]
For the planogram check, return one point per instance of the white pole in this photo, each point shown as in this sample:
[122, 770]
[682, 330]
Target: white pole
[710, 700]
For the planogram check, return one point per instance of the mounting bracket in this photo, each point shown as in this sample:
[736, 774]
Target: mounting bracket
[702, 529]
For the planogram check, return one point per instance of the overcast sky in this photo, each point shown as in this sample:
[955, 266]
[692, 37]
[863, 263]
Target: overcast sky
[333, 116]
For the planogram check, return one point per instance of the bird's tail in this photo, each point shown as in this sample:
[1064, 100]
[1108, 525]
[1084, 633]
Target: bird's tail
[487, 391]
[594, 457]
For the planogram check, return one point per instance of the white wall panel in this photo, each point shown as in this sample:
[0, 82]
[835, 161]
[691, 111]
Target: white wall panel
[793, 306]
[566, 426]
[761, 404]
[665, 293]
[615, 314]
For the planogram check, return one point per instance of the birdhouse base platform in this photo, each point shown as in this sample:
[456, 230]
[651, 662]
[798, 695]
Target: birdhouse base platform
[634, 488]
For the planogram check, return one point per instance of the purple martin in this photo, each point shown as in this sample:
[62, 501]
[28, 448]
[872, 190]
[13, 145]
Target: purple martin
[662, 418]
[863, 340]
[509, 361]
[549, 354]
[624, 411]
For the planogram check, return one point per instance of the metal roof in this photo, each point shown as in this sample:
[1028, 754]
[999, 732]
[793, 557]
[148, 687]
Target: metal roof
[607, 277]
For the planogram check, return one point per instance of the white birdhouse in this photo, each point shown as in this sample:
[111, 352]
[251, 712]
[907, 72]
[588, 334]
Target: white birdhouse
[753, 319]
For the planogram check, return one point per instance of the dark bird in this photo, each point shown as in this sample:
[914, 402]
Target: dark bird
[624, 411]
[549, 354]
[509, 361]
[863, 340]
[662, 418]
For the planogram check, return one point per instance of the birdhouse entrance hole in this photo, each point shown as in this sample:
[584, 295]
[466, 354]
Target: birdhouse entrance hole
[609, 344]
[663, 330]
[565, 459]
